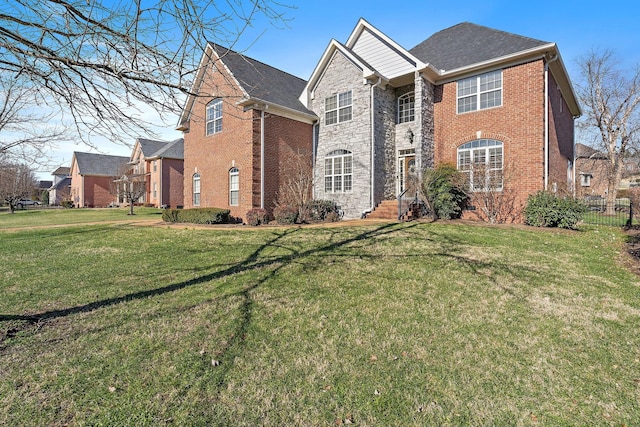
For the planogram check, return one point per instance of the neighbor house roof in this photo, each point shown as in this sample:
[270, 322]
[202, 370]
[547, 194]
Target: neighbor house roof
[170, 150]
[66, 182]
[466, 44]
[150, 146]
[99, 164]
[61, 171]
[586, 152]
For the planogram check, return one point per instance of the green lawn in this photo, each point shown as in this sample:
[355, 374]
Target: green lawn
[38, 217]
[379, 325]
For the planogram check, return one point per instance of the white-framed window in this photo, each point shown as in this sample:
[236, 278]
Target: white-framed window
[338, 108]
[338, 172]
[480, 92]
[406, 104]
[196, 189]
[214, 117]
[482, 161]
[234, 186]
[155, 165]
[585, 179]
[155, 190]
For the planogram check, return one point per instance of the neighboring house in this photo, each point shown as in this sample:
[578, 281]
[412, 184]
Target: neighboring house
[592, 169]
[243, 133]
[60, 188]
[162, 164]
[481, 99]
[92, 179]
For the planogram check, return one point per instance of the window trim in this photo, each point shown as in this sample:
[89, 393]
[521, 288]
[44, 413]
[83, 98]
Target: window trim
[478, 146]
[195, 180]
[478, 92]
[234, 186]
[343, 179]
[215, 118]
[402, 118]
[334, 104]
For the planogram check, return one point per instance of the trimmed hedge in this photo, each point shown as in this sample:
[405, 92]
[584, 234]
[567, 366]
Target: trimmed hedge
[545, 209]
[197, 215]
[320, 210]
[285, 215]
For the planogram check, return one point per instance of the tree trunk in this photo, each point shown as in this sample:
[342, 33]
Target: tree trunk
[131, 207]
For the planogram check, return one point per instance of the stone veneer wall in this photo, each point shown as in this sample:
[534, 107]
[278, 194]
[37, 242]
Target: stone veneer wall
[385, 136]
[342, 75]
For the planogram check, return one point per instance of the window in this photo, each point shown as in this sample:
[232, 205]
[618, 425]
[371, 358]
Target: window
[155, 190]
[214, 117]
[196, 190]
[480, 92]
[155, 165]
[481, 161]
[234, 186]
[338, 108]
[406, 107]
[338, 172]
[585, 179]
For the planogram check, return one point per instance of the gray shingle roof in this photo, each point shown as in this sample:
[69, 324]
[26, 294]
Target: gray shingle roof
[62, 170]
[466, 44]
[99, 164]
[171, 150]
[263, 81]
[150, 146]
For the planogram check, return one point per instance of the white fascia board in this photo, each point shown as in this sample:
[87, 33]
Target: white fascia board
[362, 24]
[290, 113]
[561, 76]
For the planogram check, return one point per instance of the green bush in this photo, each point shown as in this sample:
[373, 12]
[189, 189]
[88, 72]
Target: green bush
[320, 210]
[257, 216]
[546, 209]
[444, 189]
[197, 216]
[285, 214]
[66, 204]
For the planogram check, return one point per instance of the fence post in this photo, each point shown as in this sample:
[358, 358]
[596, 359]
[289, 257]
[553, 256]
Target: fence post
[630, 220]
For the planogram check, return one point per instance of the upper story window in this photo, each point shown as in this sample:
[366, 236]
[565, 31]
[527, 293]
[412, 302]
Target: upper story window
[481, 161]
[234, 186]
[406, 105]
[480, 92]
[214, 117]
[338, 108]
[155, 165]
[196, 189]
[338, 172]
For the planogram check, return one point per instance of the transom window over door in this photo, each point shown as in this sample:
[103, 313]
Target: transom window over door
[338, 108]
[234, 186]
[214, 117]
[338, 172]
[482, 161]
[480, 92]
[406, 104]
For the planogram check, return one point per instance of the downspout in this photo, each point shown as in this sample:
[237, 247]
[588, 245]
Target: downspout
[373, 146]
[262, 159]
[314, 144]
[546, 121]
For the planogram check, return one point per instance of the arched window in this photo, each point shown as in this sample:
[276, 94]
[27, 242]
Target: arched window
[214, 117]
[481, 160]
[196, 189]
[406, 105]
[338, 172]
[234, 186]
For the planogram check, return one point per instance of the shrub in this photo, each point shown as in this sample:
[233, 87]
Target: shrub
[444, 189]
[256, 217]
[546, 209]
[285, 214]
[320, 210]
[197, 216]
[66, 204]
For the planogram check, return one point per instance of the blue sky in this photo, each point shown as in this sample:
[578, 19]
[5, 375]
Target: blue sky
[575, 26]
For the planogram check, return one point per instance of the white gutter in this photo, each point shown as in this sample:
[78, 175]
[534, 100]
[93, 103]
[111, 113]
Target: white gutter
[314, 144]
[262, 159]
[373, 143]
[546, 121]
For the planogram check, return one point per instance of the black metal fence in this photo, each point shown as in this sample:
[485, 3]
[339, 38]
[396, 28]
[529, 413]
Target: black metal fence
[619, 214]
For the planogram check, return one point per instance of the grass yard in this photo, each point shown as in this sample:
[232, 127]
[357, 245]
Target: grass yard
[377, 325]
[39, 217]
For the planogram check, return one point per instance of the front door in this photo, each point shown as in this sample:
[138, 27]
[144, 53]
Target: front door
[407, 176]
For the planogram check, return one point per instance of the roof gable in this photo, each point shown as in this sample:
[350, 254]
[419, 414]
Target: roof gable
[98, 164]
[171, 150]
[466, 44]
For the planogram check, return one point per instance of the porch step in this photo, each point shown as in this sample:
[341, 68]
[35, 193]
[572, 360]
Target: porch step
[387, 209]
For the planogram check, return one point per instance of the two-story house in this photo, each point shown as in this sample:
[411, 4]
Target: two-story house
[243, 126]
[497, 105]
[59, 189]
[162, 164]
[92, 179]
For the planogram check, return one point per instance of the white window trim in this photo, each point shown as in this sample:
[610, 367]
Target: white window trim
[196, 186]
[412, 115]
[216, 119]
[478, 92]
[486, 145]
[234, 186]
[333, 157]
[338, 108]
